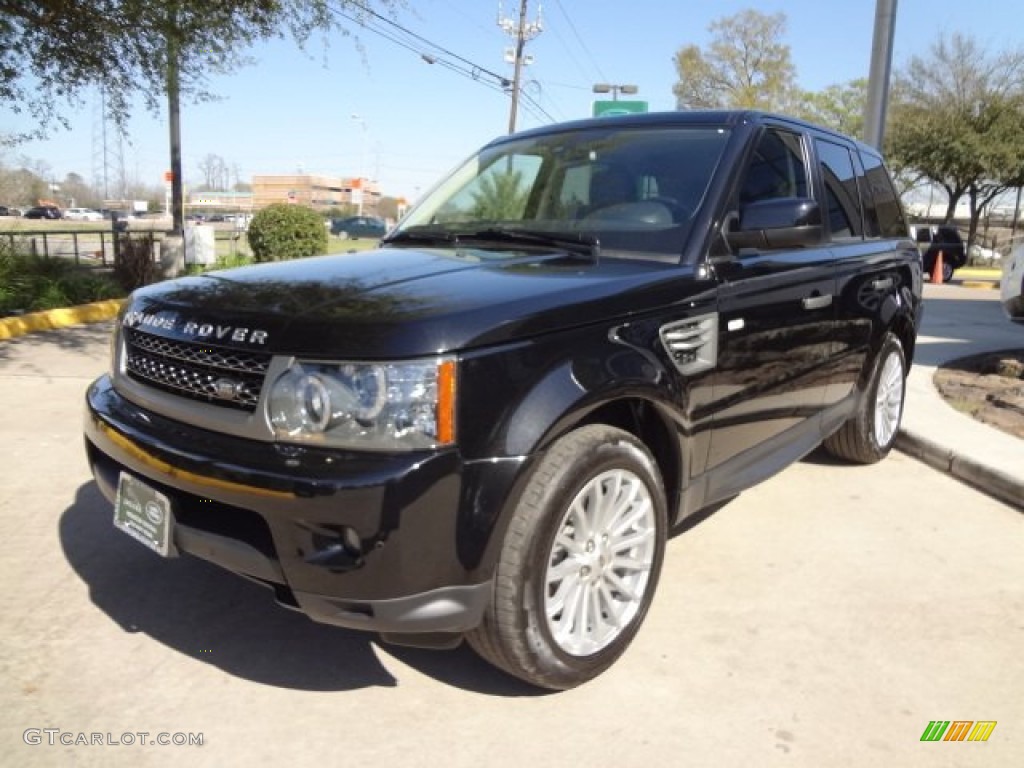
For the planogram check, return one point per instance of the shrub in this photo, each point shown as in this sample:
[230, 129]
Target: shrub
[134, 265]
[280, 232]
[30, 283]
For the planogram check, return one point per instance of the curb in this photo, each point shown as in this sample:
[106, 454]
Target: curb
[11, 327]
[979, 284]
[992, 482]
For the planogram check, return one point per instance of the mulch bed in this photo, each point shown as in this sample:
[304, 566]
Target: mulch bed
[989, 387]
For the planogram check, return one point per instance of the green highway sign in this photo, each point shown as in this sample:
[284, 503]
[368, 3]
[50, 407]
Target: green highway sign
[610, 108]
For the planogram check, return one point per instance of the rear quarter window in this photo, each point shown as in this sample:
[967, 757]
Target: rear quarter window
[881, 194]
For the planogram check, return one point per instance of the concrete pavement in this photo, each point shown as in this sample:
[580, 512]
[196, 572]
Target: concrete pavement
[823, 618]
[960, 321]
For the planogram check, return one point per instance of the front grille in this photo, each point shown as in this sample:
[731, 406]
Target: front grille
[226, 377]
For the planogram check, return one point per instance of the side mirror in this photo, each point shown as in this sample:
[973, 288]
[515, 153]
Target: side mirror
[781, 222]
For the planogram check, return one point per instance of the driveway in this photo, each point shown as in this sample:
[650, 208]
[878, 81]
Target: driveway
[821, 619]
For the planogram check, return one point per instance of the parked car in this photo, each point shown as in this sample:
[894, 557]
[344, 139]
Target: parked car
[355, 227]
[945, 239]
[486, 428]
[43, 212]
[6, 210]
[82, 214]
[1012, 284]
[980, 255]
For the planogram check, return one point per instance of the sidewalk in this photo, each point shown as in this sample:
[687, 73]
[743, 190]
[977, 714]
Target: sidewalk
[982, 456]
[959, 322]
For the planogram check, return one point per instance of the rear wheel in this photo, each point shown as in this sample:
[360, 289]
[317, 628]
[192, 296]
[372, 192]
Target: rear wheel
[947, 271]
[869, 434]
[579, 563]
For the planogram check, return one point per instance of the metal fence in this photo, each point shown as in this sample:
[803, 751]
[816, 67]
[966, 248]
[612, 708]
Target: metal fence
[87, 249]
[99, 248]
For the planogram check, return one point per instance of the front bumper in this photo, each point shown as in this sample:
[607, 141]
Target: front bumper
[393, 543]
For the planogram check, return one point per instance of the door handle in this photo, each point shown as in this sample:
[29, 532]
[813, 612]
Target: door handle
[817, 302]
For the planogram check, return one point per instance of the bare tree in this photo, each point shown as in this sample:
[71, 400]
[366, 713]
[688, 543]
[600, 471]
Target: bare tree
[956, 120]
[214, 171]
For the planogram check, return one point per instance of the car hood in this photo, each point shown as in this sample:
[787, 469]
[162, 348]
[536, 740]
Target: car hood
[400, 302]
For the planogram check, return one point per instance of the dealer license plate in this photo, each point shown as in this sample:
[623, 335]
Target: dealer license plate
[144, 514]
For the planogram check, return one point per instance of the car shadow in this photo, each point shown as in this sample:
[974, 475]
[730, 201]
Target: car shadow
[822, 458]
[216, 617]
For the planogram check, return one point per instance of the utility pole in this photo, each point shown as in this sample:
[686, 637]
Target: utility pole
[880, 72]
[523, 32]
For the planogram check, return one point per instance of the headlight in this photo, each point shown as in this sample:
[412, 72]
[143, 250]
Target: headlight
[369, 406]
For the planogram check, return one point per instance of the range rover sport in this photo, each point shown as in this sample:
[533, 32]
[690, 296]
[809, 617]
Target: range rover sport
[485, 428]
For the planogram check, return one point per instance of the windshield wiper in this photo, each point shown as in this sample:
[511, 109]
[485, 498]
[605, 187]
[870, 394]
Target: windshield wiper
[422, 235]
[576, 244]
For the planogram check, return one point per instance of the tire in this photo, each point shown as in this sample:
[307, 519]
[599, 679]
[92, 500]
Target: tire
[947, 271]
[869, 434]
[551, 571]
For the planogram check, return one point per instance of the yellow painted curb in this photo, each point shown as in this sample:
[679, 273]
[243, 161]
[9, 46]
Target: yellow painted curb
[979, 284]
[49, 320]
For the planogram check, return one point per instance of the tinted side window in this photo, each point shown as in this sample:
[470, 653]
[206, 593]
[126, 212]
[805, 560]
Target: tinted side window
[887, 203]
[776, 169]
[841, 194]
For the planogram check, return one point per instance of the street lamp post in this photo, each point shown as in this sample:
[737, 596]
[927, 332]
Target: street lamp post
[615, 90]
[362, 164]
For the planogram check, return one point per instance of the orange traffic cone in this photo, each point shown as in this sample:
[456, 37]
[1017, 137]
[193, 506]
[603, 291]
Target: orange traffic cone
[937, 269]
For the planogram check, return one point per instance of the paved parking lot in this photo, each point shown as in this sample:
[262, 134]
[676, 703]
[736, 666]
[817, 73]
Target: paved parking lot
[822, 619]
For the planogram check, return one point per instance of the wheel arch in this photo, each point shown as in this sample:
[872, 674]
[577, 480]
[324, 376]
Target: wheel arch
[647, 423]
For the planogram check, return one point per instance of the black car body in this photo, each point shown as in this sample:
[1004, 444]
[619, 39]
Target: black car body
[355, 227]
[43, 212]
[944, 239]
[485, 427]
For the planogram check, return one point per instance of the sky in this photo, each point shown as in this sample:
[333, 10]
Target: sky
[362, 105]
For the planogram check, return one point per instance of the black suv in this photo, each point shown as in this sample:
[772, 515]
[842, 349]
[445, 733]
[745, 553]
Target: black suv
[486, 428]
[933, 240]
[43, 212]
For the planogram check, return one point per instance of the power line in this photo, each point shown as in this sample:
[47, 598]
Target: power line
[579, 39]
[433, 53]
[474, 68]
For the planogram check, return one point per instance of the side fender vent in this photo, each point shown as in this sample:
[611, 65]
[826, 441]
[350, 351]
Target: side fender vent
[692, 344]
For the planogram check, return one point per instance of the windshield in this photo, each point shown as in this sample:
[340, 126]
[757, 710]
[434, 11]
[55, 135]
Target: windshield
[631, 190]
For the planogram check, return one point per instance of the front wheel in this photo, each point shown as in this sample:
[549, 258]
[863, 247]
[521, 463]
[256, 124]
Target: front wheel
[579, 563]
[869, 434]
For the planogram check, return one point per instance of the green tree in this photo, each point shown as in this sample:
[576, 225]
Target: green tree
[840, 107]
[280, 232]
[500, 196]
[955, 120]
[51, 51]
[747, 65]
